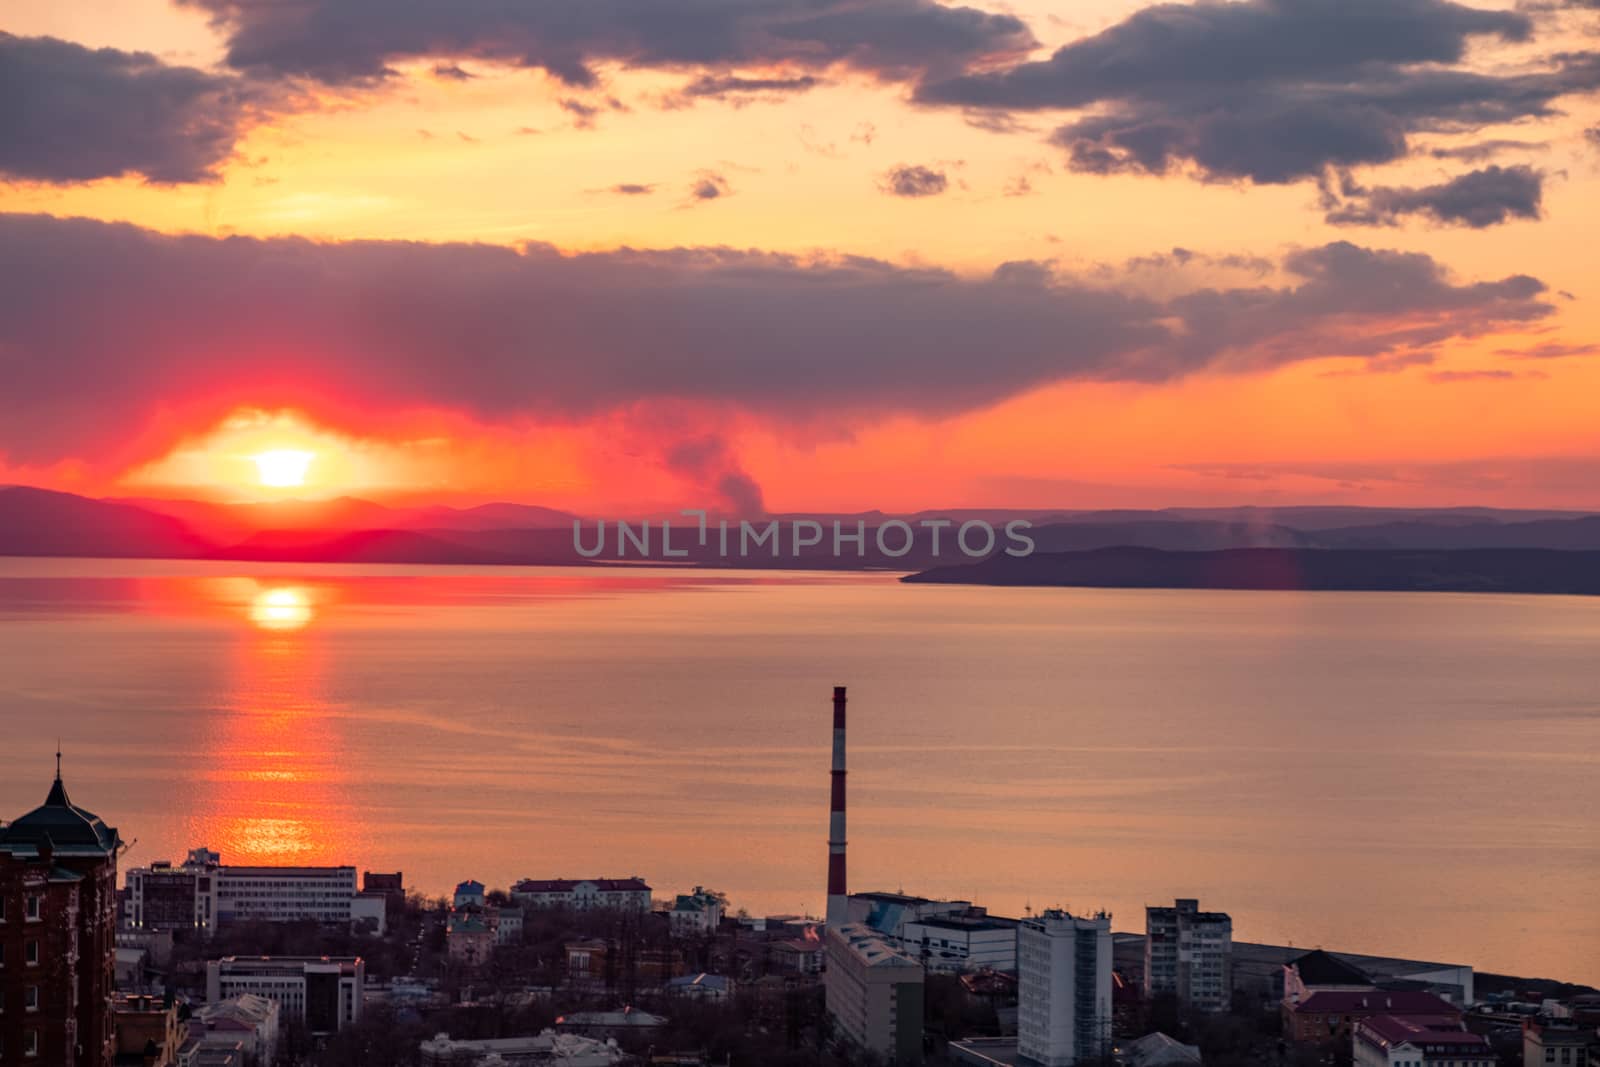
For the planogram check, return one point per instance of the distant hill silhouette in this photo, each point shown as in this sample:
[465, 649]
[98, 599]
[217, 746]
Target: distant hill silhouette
[38, 522]
[1495, 570]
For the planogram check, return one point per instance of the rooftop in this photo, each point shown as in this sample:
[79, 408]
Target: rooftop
[1323, 968]
[66, 828]
[1397, 1002]
[1387, 1031]
[566, 885]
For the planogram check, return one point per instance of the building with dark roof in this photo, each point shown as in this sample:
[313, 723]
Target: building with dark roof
[1331, 1015]
[1408, 1041]
[58, 882]
[583, 894]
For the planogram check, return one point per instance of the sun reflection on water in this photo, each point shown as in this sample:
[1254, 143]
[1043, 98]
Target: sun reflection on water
[281, 608]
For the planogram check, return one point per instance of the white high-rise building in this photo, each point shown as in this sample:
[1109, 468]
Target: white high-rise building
[1063, 988]
[323, 992]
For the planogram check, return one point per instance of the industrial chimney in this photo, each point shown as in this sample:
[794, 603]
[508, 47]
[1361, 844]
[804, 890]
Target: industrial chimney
[838, 895]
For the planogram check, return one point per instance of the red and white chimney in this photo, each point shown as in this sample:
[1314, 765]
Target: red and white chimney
[838, 895]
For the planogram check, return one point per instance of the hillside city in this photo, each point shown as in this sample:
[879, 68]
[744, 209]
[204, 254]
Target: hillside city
[201, 963]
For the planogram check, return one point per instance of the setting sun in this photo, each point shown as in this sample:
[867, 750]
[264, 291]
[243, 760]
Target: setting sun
[283, 467]
[281, 609]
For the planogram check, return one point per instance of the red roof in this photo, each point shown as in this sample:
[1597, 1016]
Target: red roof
[1376, 1002]
[1422, 1030]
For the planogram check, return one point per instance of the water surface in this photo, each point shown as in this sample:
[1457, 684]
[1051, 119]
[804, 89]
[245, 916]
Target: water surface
[1408, 774]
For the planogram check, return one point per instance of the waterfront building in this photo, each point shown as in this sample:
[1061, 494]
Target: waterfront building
[202, 893]
[1188, 953]
[58, 882]
[694, 914]
[587, 894]
[322, 992]
[1063, 988]
[874, 993]
[1408, 1041]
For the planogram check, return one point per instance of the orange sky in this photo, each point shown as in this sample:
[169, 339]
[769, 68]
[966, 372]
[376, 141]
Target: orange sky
[498, 160]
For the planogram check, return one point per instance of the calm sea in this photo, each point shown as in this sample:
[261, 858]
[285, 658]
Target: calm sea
[1389, 773]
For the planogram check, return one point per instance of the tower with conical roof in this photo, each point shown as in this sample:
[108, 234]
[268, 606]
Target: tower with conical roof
[58, 891]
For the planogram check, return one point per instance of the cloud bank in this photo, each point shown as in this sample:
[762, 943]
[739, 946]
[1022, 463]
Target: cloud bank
[75, 114]
[105, 326]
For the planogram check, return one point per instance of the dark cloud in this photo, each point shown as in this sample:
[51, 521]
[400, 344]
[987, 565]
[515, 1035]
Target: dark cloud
[344, 41]
[1550, 350]
[710, 186]
[1592, 135]
[75, 114]
[632, 189]
[451, 72]
[725, 86]
[1480, 199]
[1450, 377]
[1482, 150]
[914, 181]
[93, 344]
[583, 115]
[1272, 90]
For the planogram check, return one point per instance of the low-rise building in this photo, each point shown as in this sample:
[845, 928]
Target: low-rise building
[468, 939]
[610, 1024]
[957, 943]
[247, 1020]
[801, 955]
[546, 1049]
[585, 894]
[324, 993]
[1157, 1050]
[148, 1029]
[701, 987]
[696, 913]
[1552, 1043]
[1330, 1015]
[874, 993]
[202, 893]
[1403, 1041]
[468, 894]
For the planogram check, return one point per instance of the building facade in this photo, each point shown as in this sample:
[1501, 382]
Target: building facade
[1063, 988]
[617, 894]
[1547, 1043]
[1401, 1041]
[961, 943]
[874, 993]
[1188, 953]
[694, 914]
[202, 893]
[325, 993]
[58, 900]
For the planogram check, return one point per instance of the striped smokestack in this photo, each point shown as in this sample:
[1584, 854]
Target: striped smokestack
[838, 895]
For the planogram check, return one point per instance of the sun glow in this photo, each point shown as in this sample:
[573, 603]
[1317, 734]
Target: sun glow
[284, 608]
[283, 468]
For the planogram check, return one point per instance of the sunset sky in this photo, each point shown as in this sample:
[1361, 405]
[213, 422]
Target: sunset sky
[803, 254]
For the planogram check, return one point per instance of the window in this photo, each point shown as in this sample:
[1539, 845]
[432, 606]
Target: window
[30, 953]
[30, 1043]
[35, 905]
[30, 998]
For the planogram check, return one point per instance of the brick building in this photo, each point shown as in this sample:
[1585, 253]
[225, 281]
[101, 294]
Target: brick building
[58, 898]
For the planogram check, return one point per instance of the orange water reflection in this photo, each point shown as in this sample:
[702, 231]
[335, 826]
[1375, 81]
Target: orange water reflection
[283, 608]
[277, 786]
